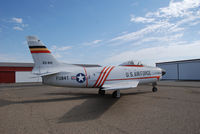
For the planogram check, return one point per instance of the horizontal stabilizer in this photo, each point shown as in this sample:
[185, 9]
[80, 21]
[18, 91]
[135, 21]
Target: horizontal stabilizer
[47, 73]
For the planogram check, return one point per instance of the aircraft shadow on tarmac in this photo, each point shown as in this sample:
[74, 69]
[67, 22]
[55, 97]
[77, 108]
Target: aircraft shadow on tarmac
[90, 109]
[94, 106]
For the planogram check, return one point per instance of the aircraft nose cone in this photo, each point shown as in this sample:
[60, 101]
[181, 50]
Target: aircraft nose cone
[163, 72]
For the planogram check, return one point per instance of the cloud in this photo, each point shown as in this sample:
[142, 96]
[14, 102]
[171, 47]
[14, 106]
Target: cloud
[92, 43]
[58, 51]
[166, 21]
[194, 23]
[141, 19]
[63, 48]
[176, 9]
[18, 24]
[17, 20]
[158, 27]
[96, 41]
[163, 39]
[57, 55]
[158, 53]
[17, 28]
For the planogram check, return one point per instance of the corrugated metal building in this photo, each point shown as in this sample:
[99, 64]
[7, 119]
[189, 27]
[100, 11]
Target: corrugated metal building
[181, 70]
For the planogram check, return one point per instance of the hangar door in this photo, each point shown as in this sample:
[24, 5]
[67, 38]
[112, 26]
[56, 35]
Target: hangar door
[189, 71]
[171, 71]
[7, 77]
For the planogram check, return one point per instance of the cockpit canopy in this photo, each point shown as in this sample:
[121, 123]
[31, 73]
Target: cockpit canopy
[132, 63]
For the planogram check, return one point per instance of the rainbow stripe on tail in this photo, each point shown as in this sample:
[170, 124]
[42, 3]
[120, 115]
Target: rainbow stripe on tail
[39, 49]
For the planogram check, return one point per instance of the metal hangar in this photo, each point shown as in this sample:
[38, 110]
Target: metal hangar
[181, 70]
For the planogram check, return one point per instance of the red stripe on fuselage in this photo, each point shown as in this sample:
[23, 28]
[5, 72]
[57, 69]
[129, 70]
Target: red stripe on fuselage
[107, 75]
[86, 76]
[103, 76]
[99, 76]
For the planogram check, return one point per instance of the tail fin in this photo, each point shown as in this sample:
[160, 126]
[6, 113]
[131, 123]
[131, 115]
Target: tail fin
[42, 57]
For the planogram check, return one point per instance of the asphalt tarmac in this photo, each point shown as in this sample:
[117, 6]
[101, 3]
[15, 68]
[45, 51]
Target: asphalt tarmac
[37, 109]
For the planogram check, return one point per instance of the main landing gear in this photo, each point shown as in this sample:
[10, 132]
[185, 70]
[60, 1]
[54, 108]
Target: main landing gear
[154, 89]
[116, 94]
[101, 92]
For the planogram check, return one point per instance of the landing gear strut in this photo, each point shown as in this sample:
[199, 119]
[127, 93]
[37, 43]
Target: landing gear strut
[101, 92]
[154, 89]
[116, 94]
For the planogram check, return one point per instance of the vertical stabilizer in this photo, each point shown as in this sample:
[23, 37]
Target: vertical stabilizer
[42, 57]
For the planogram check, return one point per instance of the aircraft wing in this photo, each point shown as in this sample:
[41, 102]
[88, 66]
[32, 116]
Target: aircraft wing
[120, 85]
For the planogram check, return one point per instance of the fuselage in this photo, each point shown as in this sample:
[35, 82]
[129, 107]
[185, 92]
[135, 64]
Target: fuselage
[96, 77]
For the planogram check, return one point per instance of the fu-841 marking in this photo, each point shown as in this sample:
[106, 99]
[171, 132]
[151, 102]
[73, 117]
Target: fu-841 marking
[62, 77]
[125, 76]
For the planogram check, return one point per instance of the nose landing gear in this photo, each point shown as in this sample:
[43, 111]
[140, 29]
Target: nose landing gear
[154, 89]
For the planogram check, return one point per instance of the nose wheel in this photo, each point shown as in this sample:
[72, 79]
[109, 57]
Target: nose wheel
[154, 89]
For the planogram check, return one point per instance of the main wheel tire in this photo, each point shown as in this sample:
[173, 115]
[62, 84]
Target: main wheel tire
[114, 94]
[101, 92]
[154, 89]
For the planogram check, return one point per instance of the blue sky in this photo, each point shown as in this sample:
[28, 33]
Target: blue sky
[102, 32]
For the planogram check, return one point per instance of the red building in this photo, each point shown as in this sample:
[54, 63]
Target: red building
[15, 72]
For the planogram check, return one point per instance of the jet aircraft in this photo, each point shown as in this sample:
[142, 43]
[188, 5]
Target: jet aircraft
[124, 76]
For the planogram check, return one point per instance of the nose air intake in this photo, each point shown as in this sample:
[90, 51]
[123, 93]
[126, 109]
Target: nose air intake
[163, 72]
